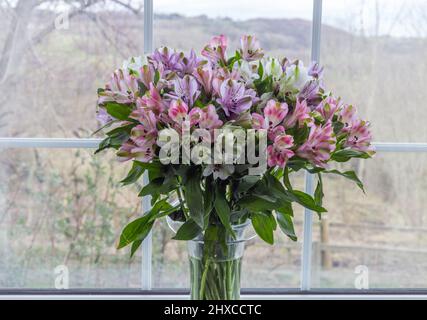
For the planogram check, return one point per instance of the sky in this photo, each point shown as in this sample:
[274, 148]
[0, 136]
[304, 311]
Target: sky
[396, 17]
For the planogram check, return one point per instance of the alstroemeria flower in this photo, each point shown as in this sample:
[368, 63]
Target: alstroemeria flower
[204, 75]
[279, 152]
[152, 100]
[315, 70]
[274, 113]
[296, 76]
[234, 98]
[319, 145]
[186, 89]
[145, 133]
[328, 107]
[272, 67]
[178, 113]
[167, 59]
[360, 137]
[209, 118]
[215, 51]
[247, 71]
[300, 115]
[122, 88]
[188, 63]
[347, 116]
[310, 93]
[250, 48]
[103, 117]
[222, 74]
[222, 171]
[129, 150]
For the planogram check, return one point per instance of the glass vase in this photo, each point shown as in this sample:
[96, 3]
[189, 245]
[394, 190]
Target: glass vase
[215, 267]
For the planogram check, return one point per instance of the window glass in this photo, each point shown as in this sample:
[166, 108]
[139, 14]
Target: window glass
[53, 58]
[374, 57]
[379, 237]
[62, 209]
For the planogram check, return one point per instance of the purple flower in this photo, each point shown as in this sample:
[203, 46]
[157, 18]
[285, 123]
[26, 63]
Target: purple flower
[187, 64]
[166, 59]
[186, 89]
[103, 117]
[233, 98]
[315, 70]
[310, 93]
[250, 48]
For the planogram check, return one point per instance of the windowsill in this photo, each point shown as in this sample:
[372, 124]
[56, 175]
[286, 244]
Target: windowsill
[247, 294]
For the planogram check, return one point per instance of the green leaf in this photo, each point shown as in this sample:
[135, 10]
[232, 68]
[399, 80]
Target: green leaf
[246, 183]
[118, 111]
[286, 180]
[136, 230]
[286, 225]
[351, 175]
[223, 210]
[255, 203]
[347, 154]
[188, 231]
[152, 187]
[134, 174]
[286, 208]
[113, 141]
[194, 197]
[318, 193]
[135, 245]
[264, 225]
[305, 200]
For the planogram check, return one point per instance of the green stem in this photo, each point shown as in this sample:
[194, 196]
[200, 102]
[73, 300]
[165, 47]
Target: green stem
[203, 280]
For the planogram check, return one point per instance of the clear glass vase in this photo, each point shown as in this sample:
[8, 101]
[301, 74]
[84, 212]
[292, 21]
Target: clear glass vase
[215, 267]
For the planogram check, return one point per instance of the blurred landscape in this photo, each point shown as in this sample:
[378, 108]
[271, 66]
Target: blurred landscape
[65, 206]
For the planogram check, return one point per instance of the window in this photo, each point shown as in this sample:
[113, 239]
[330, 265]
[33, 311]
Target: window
[56, 197]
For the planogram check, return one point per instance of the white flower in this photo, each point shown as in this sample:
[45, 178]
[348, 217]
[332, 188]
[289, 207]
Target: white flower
[272, 67]
[222, 171]
[135, 63]
[296, 75]
[247, 70]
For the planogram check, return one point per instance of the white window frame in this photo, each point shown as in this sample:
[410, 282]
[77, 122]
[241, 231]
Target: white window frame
[305, 292]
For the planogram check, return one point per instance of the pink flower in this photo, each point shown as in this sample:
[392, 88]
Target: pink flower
[147, 73]
[204, 75]
[222, 74]
[250, 48]
[347, 116]
[209, 118]
[130, 151]
[300, 115]
[178, 113]
[279, 152]
[359, 137]
[145, 133]
[274, 113]
[166, 59]
[122, 88]
[215, 51]
[328, 107]
[319, 145]
[152, 100]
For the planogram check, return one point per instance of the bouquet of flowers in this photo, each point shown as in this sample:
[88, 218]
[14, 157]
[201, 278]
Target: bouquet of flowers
[219, 137]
